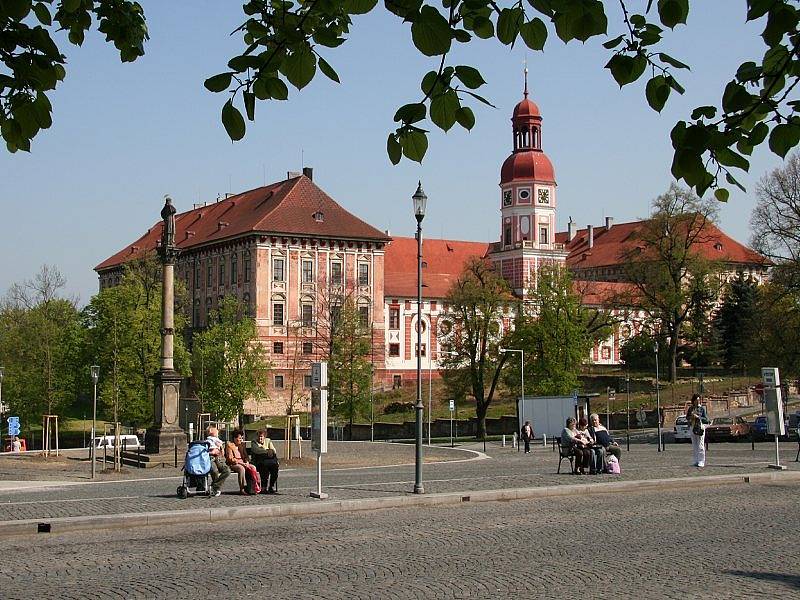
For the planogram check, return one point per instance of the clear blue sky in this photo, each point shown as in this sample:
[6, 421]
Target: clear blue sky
[125, 135]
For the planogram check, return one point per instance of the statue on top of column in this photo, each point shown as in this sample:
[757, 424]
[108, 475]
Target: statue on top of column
[168, 215]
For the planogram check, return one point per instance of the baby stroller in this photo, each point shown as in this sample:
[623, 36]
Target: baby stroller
[196, 471]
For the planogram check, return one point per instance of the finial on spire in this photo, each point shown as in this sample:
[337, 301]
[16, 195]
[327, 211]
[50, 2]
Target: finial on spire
[525, 62]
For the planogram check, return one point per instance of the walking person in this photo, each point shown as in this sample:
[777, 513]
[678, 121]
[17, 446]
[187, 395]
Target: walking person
[697, 418]
[526, 435]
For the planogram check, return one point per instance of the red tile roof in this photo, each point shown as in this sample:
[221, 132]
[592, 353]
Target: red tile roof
[602, 293]
[609, 244]
[285, 207]
[443, 263]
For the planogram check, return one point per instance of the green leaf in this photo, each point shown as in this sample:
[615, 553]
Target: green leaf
[394, 149]
[729, 158]
[479, 98]
[673, 12]
[276, 88]
[415, 145]
[469, 76]
[758, 134]
[431, 32]
[218, 83]
[462, 36]
[70, 5]
[327, 70]
[443, 110]
[300, 67]
[657, 92]
[359, 7]
[721, 194]
[250, 105]
[626, 69]
[611, 44]
[672, 61]
[783, 138]
[410, 113]
[534, 33]
[42, 13]
[508, 24]
[709, 112]
[735, 97]
[483, 27]
[233, 121]
[16, 9]
[465, 117]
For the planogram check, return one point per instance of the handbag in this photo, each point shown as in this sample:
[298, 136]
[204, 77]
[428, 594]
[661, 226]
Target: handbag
[697, 428]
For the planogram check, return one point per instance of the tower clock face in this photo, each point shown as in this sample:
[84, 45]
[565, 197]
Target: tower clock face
[544, 196]
[507, 198]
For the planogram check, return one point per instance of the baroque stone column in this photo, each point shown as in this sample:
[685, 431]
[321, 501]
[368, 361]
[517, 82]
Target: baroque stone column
[166, 433]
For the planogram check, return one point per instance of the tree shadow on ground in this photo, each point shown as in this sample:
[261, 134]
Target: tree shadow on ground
[792, 581]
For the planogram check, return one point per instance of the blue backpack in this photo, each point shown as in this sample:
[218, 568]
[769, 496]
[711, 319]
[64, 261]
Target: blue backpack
[198, 460]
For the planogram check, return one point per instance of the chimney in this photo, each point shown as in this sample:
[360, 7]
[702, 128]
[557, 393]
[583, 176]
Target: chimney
[590, 234]
[388, 233]
[609, 223]
[570, 230]
[308, 172]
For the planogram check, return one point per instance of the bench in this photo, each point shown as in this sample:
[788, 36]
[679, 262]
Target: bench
[565, 452]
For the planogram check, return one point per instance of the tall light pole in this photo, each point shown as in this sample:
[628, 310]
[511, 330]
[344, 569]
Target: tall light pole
[2, 409]
[522, 382]
[658, 398]
[420, 202]
[95, 371]
[628, 411]
[430, 385]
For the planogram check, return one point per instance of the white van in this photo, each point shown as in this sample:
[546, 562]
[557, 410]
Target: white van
[128, 442]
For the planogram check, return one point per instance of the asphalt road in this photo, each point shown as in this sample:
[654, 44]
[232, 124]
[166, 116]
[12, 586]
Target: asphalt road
[719, 542]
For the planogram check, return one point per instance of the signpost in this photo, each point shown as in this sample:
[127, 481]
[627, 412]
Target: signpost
[319, 419]
[13, 429]
[774, 405]
[452, 410]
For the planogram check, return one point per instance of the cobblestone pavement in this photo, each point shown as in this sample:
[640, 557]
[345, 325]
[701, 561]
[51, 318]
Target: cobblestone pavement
[741, 544]
[506, 468]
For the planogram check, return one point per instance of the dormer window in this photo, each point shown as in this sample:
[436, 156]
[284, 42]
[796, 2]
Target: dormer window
[318, 216]
[718, 247]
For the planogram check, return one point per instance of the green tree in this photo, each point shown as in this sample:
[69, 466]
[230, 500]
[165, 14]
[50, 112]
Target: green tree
[284, 42]
[638, 352]
[665, 262]
[735, 322]
[476, 302]
[230, 361]
[700, 348]
[350, 367]
[557, 333]
[774, 340]
[123, 337]
[39, 336]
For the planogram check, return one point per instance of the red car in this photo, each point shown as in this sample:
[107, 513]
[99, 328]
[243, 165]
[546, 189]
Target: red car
[727, 429]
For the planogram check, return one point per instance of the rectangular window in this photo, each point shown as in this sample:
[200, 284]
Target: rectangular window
[307, 381]
[507, 237]
[221, 277]
[246, 267]
[394, 349]
[196, 316]
[234, 270]
[397, 381]
[336, 273]
[363, 316]
[308, 348]
[277, 269]
[308, 271]
[307, 315]
[277, 313]
[277, 347]
[543, 231]
[394, 317]
[209, 273]
[422, 349]
[278, 382]
[197, 275]
[363, 274]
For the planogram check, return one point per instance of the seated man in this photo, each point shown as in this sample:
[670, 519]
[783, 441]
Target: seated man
[265, 459]
[219, 470]
[603, 437]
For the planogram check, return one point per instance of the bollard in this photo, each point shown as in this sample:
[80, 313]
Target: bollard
[544, 440]
[175, 448]
[105, 455]
[504, 440]
[515, 441]
[139, 457]
[752, 442]
[628, 436]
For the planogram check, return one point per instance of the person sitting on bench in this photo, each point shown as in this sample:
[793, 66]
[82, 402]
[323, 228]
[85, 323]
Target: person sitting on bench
[603, 437]
[570, 438]
[265, 458]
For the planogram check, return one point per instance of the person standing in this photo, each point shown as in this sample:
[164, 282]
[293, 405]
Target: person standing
[697, 418]
[16, 445]
[526, 435]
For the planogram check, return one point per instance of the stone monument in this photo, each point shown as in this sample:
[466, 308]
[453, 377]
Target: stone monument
[166, 434]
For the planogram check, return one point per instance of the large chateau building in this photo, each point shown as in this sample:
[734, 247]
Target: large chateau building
[287, 250]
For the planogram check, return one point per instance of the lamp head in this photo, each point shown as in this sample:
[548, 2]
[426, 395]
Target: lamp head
[95, 372]
[420, 202]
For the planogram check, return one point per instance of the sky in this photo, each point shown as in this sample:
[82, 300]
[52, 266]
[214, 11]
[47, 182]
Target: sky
[124, 135]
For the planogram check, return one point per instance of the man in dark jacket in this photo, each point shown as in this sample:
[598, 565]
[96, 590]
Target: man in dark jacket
[526, 435]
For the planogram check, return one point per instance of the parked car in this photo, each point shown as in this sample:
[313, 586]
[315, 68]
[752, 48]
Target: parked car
[727, 429]
[682, 432]
[759, 427]
[128, 442]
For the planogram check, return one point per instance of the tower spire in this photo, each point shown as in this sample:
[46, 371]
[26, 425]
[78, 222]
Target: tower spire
[525, 70]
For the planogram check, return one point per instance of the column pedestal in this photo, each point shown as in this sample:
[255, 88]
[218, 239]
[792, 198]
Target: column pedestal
[166, 434]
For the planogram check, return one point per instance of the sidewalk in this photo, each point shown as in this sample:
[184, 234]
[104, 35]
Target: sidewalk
[503, 474]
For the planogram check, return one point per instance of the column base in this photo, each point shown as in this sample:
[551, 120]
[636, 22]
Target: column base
[319, 495]
[159, 440]
[777, 467]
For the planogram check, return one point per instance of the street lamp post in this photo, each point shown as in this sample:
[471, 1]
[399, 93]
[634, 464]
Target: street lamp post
[522, 383]
[628, 411]
[95, 371]
[658, 399]
[2, 410]
[420, 201]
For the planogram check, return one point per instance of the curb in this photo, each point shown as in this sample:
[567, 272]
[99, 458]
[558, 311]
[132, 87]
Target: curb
[216, 515]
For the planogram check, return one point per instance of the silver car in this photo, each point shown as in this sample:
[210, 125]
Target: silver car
[682, 432]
